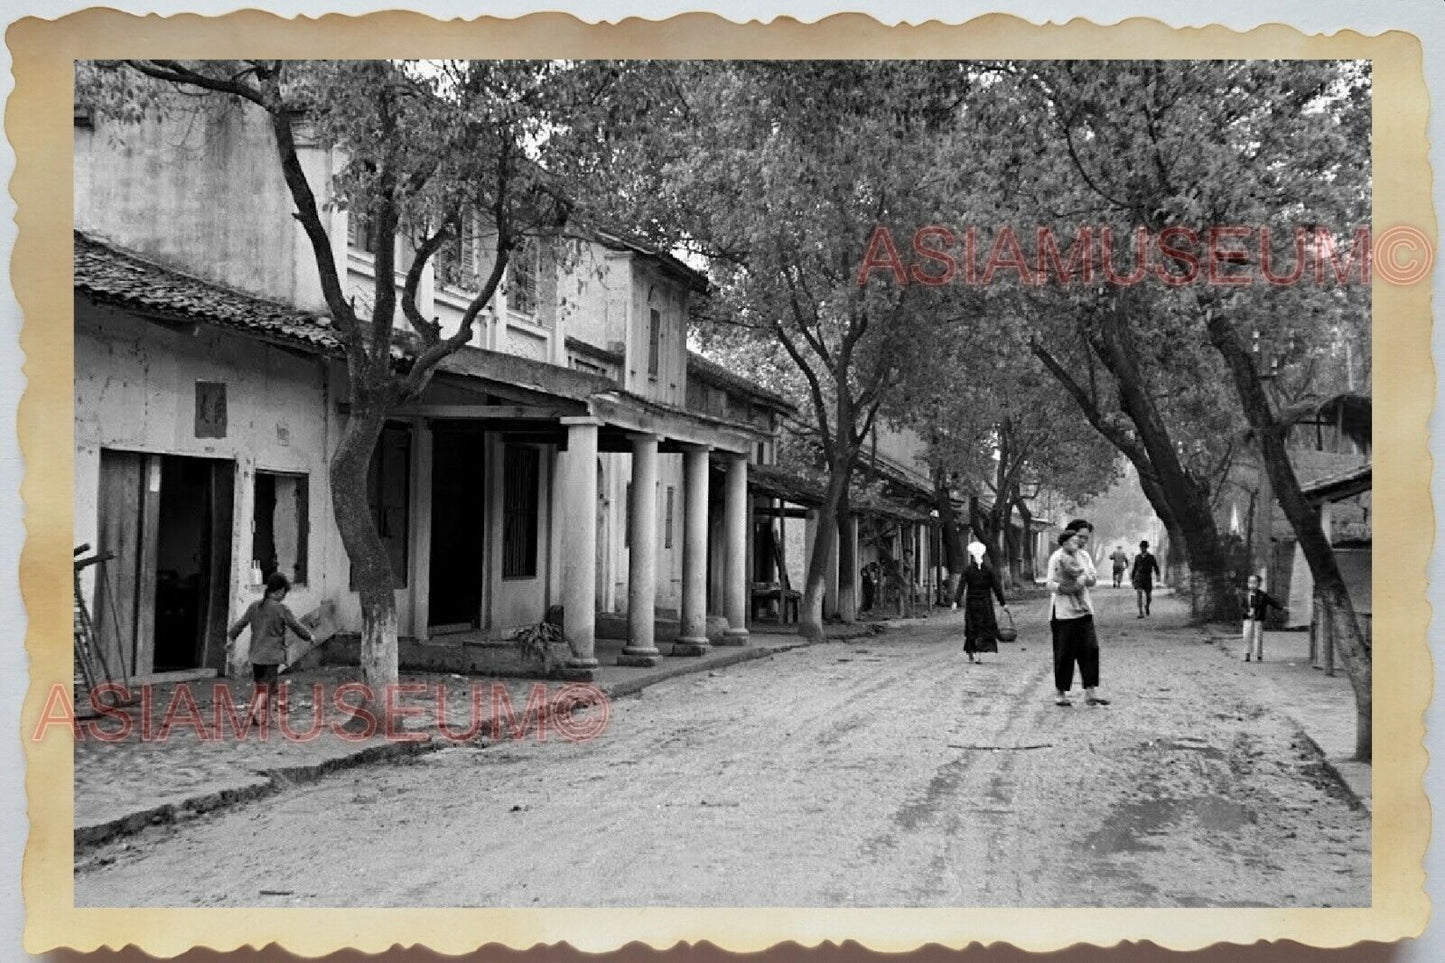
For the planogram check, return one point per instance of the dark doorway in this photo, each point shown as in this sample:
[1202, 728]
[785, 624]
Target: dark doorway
[458, 531]
[195, 514]
[162, 601]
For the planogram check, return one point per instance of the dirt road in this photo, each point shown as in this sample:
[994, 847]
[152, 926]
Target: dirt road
[885, 772]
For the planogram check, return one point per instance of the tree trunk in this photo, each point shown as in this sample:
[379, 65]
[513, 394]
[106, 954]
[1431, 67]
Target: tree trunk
[810, 615]
[847, 560]
[1010, 541]
[1166, 485]
[1030, 564]
[370, 565]
[1212, 595]
[952, 537]
[1176, 569]
[1304, 519]
[984, 526]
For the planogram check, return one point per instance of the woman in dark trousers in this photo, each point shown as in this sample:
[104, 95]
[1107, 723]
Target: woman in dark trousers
[977, 582]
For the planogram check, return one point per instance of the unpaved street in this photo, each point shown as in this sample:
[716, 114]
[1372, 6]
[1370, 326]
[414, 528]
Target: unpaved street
[887, 771]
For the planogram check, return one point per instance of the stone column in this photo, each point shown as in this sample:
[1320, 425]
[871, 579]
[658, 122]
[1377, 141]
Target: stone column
[421, 509]
[641, 649]
[692, 630]
[735, 525]
[829, 530]
[577, 478]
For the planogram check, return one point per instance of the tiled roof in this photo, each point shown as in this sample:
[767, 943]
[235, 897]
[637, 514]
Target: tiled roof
[621, 241]
[110, 276]
[705, 369]
[1340, 485]
[593, 351]
[543, 377]
[777, 483]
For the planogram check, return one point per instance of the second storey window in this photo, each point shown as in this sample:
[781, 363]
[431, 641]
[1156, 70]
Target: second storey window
[654, 342]
[521, 470]
[456, 262]
[522, 276]
[360, 232]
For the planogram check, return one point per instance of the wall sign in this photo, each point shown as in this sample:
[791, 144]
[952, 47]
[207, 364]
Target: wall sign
[210, 409]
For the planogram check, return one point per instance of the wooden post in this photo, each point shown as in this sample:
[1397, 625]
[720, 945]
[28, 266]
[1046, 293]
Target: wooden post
[1329, 629]
[1315, 633]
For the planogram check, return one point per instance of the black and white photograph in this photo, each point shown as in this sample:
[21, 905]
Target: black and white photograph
[851, 483]
[724, 484]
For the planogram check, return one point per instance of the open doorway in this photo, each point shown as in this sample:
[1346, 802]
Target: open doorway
[162, 600]
[458, 530]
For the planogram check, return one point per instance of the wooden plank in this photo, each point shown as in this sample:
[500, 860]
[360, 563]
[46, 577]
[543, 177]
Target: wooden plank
[119, 535]
[218, 574]
[485, 412]
[322, 623]
[145, 605]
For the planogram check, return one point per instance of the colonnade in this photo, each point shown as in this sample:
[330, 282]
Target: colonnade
[577, 476]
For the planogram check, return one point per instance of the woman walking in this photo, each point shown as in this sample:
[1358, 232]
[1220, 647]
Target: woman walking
[978, 581]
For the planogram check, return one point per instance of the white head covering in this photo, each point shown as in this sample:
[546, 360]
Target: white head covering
[977, 550]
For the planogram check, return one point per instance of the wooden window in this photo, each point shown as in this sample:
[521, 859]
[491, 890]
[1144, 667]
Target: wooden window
[522, 277]
[210, 409]
[654, 342]
[457, 261]
[361, 232]
[388, 489]
[280, 525]
[667, 520]
[521, 468]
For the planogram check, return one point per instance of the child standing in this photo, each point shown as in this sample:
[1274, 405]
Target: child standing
[269, 618]
[1256, 603]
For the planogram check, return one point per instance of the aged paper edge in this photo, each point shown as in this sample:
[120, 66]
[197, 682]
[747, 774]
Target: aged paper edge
[43, 52]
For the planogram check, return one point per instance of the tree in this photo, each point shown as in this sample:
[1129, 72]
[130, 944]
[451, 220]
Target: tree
[1241, 164]
[430, 155]
[778, 174]
[999, 430]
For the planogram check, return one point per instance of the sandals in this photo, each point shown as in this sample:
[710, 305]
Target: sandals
[1063, 702]
[1097, 702]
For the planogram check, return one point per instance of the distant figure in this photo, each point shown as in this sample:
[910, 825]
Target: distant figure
[1146, 566]
[1121, 565]
[1071, 614]
[869, 580]
[1256, 603]
[977, 581]
[269, 618]
[888, 582]
[905, 585]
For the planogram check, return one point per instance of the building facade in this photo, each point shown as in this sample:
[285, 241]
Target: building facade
[576, 454]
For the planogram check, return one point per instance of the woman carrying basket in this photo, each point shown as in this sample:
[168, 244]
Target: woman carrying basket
[978, 581]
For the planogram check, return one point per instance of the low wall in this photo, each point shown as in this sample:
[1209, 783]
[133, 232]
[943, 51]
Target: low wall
[470, 655]
[463, 658]
[611, 625]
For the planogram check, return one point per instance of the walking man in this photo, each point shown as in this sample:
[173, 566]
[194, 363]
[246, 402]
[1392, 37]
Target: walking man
[1146, 566]
[1071, 614]
[1121, 564]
